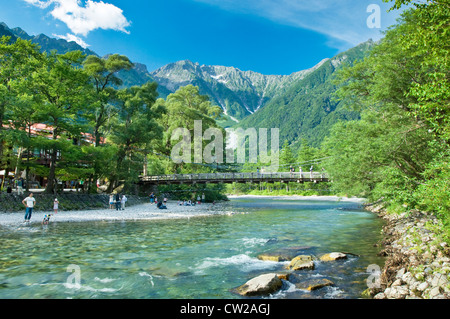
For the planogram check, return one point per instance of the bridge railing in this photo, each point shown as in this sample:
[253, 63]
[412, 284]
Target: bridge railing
[252, 176]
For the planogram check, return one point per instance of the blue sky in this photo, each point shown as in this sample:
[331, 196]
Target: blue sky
[266, 36]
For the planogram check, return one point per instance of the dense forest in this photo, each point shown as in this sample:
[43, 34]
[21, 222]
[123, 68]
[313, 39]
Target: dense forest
[399, 151]
[307, 108]
[66, 117]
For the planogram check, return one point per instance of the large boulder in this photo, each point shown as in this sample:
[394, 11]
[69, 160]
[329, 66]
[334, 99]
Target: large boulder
[261, 285]
[333, 256]
[301, 262]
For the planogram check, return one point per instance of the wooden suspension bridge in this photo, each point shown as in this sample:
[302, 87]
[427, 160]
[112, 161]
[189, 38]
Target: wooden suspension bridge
[228, 178]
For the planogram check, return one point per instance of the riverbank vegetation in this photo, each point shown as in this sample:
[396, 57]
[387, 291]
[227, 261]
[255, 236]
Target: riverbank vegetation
[305, 158]
[399, 150]
[66, 120]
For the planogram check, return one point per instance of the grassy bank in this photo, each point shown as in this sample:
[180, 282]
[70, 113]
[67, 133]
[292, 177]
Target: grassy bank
[280, 189]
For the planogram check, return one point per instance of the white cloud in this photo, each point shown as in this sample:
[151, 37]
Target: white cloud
[71, 37]
[343, 21]
[82, 17]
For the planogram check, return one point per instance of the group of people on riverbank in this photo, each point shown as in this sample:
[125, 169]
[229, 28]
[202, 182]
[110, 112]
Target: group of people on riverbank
[117, 201]
[159, 204]
[192, 202]
[162, 205]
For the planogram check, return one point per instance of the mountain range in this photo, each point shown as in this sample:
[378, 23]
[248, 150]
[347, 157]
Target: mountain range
[239, 93]
[300, 104]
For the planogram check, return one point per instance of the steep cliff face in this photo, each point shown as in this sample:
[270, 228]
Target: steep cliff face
[239, 93]
[46, 43]
[308, 108]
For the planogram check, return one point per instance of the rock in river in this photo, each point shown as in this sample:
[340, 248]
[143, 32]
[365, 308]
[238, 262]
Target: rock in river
[261, 285]
[301, 262]
[314, 284]
[283, 254]
[333, 256]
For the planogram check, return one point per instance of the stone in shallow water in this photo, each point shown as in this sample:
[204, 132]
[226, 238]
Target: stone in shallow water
[314, 284]
[283, 254]
[301, 262]
[261, 285]
[333, 256]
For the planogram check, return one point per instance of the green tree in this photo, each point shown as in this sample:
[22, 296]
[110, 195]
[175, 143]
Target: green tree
[63, 87]
[404, 112]
[365, 153]
[308, 156]
[103, 73]
[427, 43]
[184, 107]
[134, 131]
[17, 61]
[287, 157]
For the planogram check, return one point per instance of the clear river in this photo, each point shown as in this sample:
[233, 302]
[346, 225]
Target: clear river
[186, 252]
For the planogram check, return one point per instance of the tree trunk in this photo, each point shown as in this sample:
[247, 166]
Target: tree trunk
[52, 173]
[111, 186]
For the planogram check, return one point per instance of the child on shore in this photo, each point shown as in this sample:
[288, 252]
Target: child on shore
[111, 201]
[55, 206]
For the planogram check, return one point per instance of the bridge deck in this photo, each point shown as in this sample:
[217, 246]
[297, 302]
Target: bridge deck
[214, 178]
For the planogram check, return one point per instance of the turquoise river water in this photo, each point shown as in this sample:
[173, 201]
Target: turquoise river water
[187, 254]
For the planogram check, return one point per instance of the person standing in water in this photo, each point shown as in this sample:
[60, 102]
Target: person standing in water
[29, 203]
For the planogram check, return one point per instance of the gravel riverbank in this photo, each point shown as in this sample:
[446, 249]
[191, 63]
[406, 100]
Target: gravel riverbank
[418, 258]
[141, 209]
[67, 201]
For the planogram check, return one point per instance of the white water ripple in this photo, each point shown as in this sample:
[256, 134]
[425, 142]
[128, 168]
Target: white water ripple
[243, 261]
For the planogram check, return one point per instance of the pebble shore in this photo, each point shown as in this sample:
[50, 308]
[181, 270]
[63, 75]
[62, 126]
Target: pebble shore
[418, 258]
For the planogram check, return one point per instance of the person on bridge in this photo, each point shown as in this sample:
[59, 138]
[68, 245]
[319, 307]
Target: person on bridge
[311, 171]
